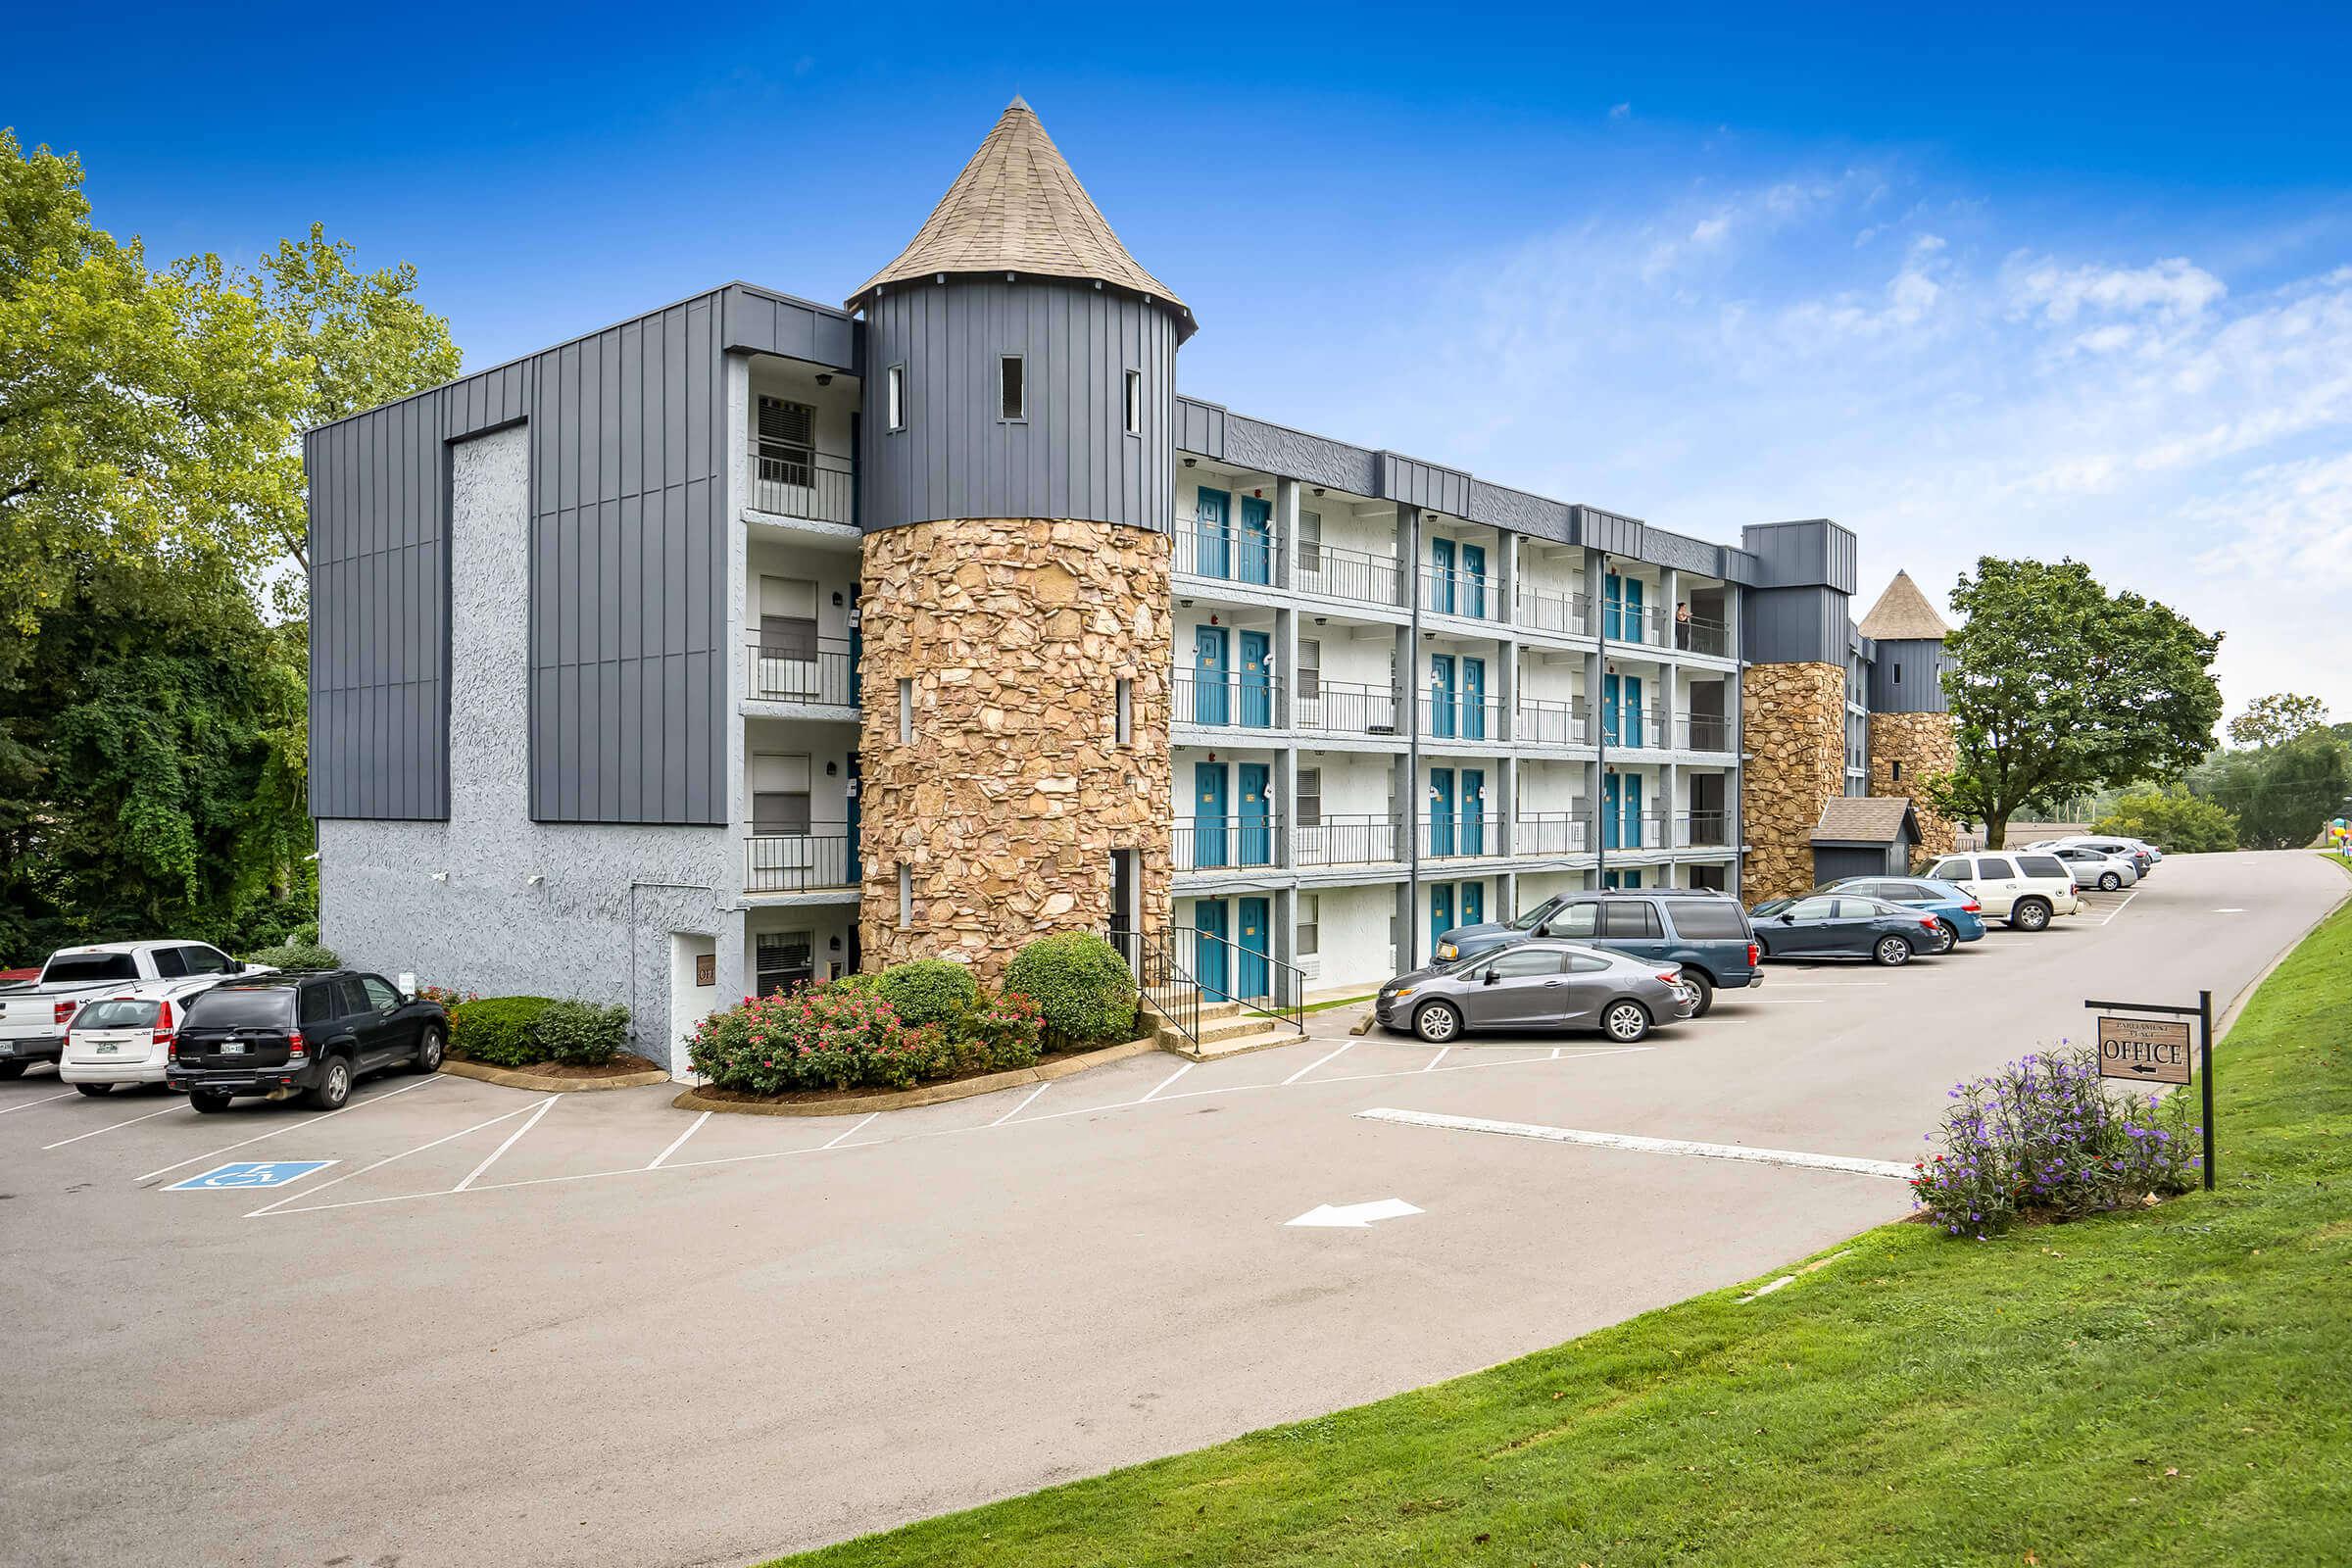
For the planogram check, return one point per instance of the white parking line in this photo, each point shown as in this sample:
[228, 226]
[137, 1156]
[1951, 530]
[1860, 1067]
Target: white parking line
[1319, 1061]
[1023, 1105]
[677, 1141]
[1655, 1145]
[310, 1192]
[111, 1126]
[2119, 909]
[1154, 1090]
[545, 1105]
[43, 1101]
[306, 1121]
[1441, 1056]
[838, 1137]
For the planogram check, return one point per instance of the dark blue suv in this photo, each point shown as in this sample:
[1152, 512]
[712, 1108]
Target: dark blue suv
[1704, 931]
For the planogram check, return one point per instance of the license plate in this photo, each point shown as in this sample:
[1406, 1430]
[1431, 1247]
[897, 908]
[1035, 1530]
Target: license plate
[233, 1048]
[108, 1049]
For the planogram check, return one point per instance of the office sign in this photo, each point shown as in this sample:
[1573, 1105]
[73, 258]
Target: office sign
[2150, 1050]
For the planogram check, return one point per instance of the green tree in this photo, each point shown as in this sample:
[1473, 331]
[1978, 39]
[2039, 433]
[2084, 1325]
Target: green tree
[2060, 688]
[2173, 819]
[2281, 794]
[2280, 716]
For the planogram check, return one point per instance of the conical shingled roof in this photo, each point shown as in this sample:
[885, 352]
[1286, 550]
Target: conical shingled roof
[1016, 208]
[1903, 614]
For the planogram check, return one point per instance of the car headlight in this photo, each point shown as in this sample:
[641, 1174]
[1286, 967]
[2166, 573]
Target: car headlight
[1447, 950]
[1402, 991]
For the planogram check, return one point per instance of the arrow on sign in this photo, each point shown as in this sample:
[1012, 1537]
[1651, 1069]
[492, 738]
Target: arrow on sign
[1354, 1216]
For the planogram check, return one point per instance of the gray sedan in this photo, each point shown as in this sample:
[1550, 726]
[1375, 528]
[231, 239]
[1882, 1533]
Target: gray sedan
[1537, 984]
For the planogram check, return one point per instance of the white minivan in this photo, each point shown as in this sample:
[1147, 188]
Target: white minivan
[2024, 888]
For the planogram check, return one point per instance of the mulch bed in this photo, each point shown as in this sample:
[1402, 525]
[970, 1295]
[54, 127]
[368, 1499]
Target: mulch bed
[620, 1066]
[825, 1097]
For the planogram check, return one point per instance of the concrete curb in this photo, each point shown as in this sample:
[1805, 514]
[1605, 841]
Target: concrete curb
[513, 1078]
[1045, 1072]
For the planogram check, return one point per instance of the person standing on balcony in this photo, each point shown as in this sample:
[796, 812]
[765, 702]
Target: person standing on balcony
[1681, 624]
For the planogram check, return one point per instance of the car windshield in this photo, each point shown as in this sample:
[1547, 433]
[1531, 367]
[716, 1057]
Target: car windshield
[71, 969]
[242, 1007]
[116, 1012]
[1536, 917]
[1773, 905]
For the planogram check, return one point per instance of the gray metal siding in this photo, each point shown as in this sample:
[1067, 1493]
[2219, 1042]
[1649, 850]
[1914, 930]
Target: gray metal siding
[1921, 687]
[1200, 428]
[1070, 458]
[628, 581]
[1426, 485]
[1833, 864]
[1793, 627]
[1814, 551]
[754, 320]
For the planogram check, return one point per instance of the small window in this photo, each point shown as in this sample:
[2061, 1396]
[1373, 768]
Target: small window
[1135, 403]
[1899, 771]
[1012, 387]
[1125, 732]
[380, 995]
[1310, 541]
[1898, 674]
[1310, 797]
[894, 398]
[1631, 919]
[1585, 964]
[1309, 674]
[1310, 925]
[905, 712]
[906, 896]
[1514, 963]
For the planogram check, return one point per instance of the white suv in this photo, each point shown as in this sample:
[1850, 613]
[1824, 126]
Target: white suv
[2024, 888]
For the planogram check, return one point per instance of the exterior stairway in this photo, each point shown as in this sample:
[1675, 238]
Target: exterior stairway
[1225, 1031]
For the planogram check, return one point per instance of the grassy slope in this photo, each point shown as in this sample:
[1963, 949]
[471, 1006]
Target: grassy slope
[1919, 1400]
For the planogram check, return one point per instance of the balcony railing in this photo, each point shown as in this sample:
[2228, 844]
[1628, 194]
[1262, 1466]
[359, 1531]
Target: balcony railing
[825, 857]
[817, 487]
[1702, 830]
[1629, 830]
[1701, 635]
[1542, 723]
[1460, 835]
[1337, 573]
[1343, 708]
[1546, 610]
[1552, 833]
[1237, 700]
[1207, 547]
[1225, 842]
[822, 672]
[1351, 840]
[1632, 730]
[1703, 732]
[1453, 591]
[1459, 717]
[1624, 624]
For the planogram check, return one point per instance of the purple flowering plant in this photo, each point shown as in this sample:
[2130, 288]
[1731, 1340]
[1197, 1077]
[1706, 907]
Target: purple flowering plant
[2045, 1136]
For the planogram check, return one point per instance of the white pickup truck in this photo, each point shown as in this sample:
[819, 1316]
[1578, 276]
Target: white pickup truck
[35, 1016]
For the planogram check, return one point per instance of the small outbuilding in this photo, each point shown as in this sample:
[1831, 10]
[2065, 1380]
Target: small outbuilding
[1864, 835]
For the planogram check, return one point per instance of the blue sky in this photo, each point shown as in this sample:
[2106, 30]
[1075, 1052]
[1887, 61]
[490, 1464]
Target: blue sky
[2005, 280]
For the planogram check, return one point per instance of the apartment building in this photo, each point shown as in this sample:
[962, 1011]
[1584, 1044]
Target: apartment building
[754, 641]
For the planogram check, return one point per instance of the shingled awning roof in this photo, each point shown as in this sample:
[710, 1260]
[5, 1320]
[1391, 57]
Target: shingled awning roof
[1866, 819]
[1016, 208]
[1903, 614]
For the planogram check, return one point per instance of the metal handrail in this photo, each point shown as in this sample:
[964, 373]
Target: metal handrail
[1346, 708]
[825, 857]
[1704, 732]
[1703, 830]
[1229, 698]
[1460, 836]
[1552, 833]
[1453, 591]
[1226, 843]
[1453, 717]
[1619, 623]
[1546, 610]
[1353, 839]
[1336, 571]
[1205, 547]
[1704, 634]
[826, 673]
[821, 489]
[1543, 723]
[1169, 964]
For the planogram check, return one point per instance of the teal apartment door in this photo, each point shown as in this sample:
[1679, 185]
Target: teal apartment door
[1474, 903]
[1440, 810]
[1612, 606]
[1629, 710]
[1629, 806]
[1474, 581]
[1474, 698]
[1473, 835]
[1208, 815]
[1253, 687]
[1209, 698]
[1441, 912]
[1255, 934]
[1632, 610]
[1208, 954]
[1608, 808]
[1253, 548]
[1440, 696]
[1256, 832]
[1212, 537]
[1440, 588]
[1608, 708]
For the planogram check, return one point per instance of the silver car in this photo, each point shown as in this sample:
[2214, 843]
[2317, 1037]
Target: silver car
[1537, 984]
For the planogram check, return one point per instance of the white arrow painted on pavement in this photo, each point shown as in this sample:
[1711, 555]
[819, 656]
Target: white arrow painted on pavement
[1354, 1216]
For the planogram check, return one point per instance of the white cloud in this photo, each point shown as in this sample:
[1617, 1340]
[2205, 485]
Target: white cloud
[1710, 230]
[2172, 288]
[1621, 111]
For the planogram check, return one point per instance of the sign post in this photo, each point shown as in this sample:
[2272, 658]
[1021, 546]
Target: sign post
[2156, 1051]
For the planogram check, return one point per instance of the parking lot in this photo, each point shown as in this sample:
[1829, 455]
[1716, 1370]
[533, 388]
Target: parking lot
[478, 1325]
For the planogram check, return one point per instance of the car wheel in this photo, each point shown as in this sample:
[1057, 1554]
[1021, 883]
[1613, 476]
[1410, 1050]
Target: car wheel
[1947, 936]
[2109, 882]
[1892, 950]
[1438, 1022]
[333, 1087]
[1702, 991]
[94, 1090]
[2030, 914]
[11, 1069]
[428, 1052]
[211, 1101]
[1625, 1021]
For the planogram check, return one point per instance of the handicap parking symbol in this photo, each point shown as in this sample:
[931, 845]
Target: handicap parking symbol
[246, 1174]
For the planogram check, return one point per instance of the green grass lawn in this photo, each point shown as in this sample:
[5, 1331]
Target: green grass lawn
[2172, 1386]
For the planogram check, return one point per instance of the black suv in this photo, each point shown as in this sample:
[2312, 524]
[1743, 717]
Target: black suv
[309, 1034]
[1704, 931]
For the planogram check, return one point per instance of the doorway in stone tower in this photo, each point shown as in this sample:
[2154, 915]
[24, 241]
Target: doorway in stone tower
[1126, 907]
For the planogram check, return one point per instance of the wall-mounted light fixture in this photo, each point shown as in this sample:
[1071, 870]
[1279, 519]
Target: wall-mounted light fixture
[833, 945]
[837, 599]
[1318, 492]
[824, 378]
[1322, 620]
[1190, 461]
[832, 768]
[440, 876]
[1186, 603]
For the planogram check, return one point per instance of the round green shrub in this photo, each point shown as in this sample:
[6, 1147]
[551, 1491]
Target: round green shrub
[296, 957]
[1080, 984]
[581, 1033]
[927, 990]
[499, 1031]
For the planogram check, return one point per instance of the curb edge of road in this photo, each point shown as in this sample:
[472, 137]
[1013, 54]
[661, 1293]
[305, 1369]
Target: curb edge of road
[2227, 1018]
[509, 1078]
[1045, 1072]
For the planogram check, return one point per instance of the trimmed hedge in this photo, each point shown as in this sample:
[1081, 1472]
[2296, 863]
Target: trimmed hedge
[297, 957]
[928, 991]
[581, 1033]
[499, 1031]
[1080, 984]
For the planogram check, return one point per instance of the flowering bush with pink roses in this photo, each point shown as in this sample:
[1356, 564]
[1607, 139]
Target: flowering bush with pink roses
[818, 1037]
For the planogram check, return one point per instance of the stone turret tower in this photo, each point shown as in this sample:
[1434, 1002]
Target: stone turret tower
[1910, 728]
[1016, 454]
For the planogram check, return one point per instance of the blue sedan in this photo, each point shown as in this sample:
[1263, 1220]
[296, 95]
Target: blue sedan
[1955, 907]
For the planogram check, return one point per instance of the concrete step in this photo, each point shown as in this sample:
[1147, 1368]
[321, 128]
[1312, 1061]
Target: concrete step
[1217, 1049]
